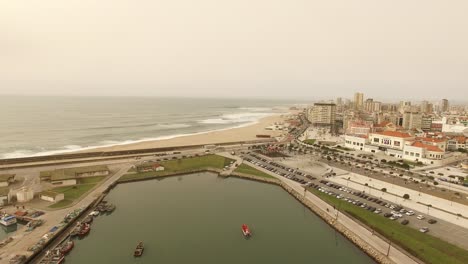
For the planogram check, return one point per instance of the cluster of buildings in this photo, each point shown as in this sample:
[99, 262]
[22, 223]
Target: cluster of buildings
[421, 132]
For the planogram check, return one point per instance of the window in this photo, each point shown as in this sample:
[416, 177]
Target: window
[396, 143]
[417, 154]
[406, 152]
[376, 140]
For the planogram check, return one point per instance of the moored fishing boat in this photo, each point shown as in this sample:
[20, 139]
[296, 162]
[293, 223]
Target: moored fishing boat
[8, 220]
[67, 247]
[139, 250]
[246, 230]
[85, 228]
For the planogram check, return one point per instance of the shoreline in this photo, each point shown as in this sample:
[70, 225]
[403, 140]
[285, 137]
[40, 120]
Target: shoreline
[246, 131]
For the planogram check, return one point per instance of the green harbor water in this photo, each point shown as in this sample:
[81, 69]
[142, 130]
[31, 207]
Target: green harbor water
[197, 219]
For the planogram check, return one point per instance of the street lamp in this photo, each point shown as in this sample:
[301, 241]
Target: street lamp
[389, 244]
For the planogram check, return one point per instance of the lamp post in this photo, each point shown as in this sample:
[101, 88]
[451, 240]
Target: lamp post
[389, 244]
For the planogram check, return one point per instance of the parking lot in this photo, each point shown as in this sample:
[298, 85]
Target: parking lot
[418, 220]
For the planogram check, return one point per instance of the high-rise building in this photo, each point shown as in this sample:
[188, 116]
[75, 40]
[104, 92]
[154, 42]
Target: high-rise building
[339, 104]
[412, 120]
[369, 104]
[423, 107]
[404, 106]
[444, 105]
[323, 114]
[358, 101]
[376, 106]
[426, 123]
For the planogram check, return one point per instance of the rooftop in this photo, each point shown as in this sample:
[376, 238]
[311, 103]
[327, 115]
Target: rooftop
[394, 134]
[50, 194]
[433, 140]
[70, 173]
[427, 147]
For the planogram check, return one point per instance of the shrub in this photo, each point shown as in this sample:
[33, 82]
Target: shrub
[406, 196]
[384, 189]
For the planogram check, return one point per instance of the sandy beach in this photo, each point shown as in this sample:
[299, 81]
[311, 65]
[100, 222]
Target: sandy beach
[245, 133]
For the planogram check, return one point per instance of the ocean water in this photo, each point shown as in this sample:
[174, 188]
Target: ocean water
[32, 126]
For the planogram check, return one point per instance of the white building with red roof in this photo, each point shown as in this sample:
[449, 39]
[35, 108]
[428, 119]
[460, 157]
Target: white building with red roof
[418, 151]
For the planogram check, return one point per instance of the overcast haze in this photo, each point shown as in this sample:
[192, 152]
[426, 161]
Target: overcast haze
[293, 49]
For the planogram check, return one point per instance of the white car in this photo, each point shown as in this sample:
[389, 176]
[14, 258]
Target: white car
[420, 217]
[410, 213]
[424, 230]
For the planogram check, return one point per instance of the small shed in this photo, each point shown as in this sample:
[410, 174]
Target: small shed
[51, 196]
[6, 179]
[150, 167]
[4, 195]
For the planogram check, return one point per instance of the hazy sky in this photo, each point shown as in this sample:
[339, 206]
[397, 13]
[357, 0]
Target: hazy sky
[273, 48]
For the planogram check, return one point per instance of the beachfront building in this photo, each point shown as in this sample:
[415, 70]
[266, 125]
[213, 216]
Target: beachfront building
[418, 151]
[323, 115]
[6, 179]
[69, 176]
[390, 142]
[145, 167]
[357, 142]
[51, 196]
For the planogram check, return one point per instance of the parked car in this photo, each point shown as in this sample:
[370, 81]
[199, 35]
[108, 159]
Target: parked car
[420, 217]
[432, 221]
[424, 230]
[404, 222]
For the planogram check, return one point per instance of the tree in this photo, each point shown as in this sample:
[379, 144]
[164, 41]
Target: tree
[383, 160]
[384, 189]
[406, 196]
[436, 183]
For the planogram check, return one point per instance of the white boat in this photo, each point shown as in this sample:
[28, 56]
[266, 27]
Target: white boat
[8, 220]
[94, 213]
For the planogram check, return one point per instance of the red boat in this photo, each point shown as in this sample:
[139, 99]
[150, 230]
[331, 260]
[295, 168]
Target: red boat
[67, 247]
[85, 228]
[246, 230]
